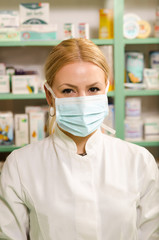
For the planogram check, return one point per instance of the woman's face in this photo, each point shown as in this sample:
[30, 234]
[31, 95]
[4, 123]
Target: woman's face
[79, 79]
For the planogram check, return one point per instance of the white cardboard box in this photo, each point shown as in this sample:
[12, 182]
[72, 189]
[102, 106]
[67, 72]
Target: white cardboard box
[34, 13]
[36, 126]
[4, 84]
[21, 129]
[23, 84]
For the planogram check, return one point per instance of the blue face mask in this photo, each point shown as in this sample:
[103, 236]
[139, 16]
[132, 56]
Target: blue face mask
[80, 116]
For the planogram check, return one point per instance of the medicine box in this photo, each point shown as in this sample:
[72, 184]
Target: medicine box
[34, 13]
[39, 33]
[106, 24]
[9, 34]
[24, 84]
[69, 30]
[6, 128]
[9, 19]
[133, 130]
[151, 128]
[133, 107]
[21, 129]
[36, 126]
[83, 29]
[2, 69]
[151, 78]
[4, 84]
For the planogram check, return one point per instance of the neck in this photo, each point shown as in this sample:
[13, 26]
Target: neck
[80, 141]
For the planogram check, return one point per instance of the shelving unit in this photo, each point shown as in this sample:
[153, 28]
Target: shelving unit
[120, 93]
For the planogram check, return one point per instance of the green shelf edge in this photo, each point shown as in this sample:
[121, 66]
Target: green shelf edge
[49, 43]
[142, 41]
[11, 96]
[147, 143]
[145, 92]
[8, 148]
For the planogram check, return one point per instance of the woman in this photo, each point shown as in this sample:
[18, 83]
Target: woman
[79, 184]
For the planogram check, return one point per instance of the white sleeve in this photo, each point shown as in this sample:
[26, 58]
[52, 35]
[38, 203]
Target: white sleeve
[148, 210]
[14, 220]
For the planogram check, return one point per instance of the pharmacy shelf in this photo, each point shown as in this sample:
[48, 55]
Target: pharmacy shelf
[49, 43]
[145, 92]
[147, 143]
[142, 41]
[11, 96]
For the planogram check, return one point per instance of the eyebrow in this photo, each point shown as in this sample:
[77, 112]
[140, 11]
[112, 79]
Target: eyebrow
[74, 86]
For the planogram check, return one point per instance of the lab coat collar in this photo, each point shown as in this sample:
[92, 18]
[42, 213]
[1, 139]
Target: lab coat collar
[61, 139]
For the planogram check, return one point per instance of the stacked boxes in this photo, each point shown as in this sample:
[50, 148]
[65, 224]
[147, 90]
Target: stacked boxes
[24, 128]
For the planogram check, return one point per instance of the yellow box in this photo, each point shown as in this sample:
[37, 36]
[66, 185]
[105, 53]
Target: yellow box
[106, 30]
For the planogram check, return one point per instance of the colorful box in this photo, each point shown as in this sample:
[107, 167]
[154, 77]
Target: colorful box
[69, 31]
[31, 33]
[6, 128]
[83, 29]
[106, 24]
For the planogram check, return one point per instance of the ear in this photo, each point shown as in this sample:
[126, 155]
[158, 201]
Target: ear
[48, 96]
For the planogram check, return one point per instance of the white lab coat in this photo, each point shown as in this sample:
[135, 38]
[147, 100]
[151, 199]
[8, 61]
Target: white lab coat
[48, 190]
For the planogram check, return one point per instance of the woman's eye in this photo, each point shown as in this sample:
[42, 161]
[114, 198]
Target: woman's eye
[94, 89]
[67, 91]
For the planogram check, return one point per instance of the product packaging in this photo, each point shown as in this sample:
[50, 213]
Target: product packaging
[24, 84]
[6, 128]
[39, 32]
[36, 126]
[9, 34]
[151, 78]
[133, 130]
[134, 67]
[144, 29]
[154, 60]
[69, 31]
[21, 129]
[2, 69]
[131, 27]
[151, 128]
[106, 24]
[4, 84]
[34, 13]
[43, 110]
[83, 29]
[156, 27]
[133, 107]
[9, 19]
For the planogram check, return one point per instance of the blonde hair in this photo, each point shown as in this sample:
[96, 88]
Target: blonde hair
[70, 51]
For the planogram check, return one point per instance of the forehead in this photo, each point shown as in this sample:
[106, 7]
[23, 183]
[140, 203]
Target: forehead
[79, 71]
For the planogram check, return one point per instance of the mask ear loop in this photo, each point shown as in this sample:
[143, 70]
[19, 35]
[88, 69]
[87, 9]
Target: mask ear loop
[107, 87]
[51, 109]
[49, 89]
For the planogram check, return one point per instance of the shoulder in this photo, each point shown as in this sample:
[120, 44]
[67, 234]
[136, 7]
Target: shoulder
[127, 151]
[32, 152]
